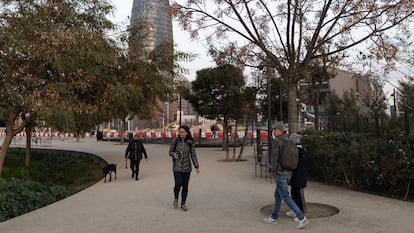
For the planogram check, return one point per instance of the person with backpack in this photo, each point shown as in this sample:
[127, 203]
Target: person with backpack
[279, 153]
[134, 152]
[183, 154]
[299, 175]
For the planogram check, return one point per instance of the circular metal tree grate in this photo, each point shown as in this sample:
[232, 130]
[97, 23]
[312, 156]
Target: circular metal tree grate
[314, 210]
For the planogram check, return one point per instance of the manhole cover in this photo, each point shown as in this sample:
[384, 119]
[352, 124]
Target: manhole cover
[315, 210]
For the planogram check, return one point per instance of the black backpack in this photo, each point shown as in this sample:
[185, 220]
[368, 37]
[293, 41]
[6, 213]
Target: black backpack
[289, 156]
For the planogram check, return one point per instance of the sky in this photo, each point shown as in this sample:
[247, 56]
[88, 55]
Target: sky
[184, 43]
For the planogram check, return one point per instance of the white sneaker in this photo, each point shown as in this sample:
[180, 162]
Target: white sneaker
[290, 213]
[270, 220]
[301, 223]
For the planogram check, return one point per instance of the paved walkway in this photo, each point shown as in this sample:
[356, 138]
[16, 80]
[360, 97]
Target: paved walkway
[224, 197]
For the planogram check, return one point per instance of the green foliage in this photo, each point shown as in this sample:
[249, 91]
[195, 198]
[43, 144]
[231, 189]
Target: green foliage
[51, 177]
[362, 162]
[278, 99]
[58, 169]
[18, 196]
[50, 169]
[217, 92]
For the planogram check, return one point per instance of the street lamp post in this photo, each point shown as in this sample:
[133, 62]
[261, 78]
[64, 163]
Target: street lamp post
[269, 110]
[395, 106]
[180, 108]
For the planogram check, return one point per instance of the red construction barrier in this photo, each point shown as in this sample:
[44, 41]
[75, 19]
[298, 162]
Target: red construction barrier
[196, 134]
[173, 134]
[153, 135]
[263, 134]
[249, 134]
[208, 134]
[163, 135]
[220, 134]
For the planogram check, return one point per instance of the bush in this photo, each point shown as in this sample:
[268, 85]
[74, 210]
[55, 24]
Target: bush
[59, 169]
[362, 162]
[18, 196]
[51, 177]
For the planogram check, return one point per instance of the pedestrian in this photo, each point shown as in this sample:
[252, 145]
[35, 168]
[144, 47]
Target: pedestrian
[282, 178]
[230, 131]
[299, 175]
[183, 153]
[134, 153]
[213, 129]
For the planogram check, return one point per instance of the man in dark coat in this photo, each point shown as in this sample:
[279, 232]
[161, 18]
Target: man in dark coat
[134, 152]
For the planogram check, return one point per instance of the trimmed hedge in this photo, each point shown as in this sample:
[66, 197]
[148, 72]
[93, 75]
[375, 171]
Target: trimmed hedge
[362, 162]
[52, 176]
[18, 197]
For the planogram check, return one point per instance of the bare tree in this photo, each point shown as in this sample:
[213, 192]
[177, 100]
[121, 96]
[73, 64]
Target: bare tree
[288, 34]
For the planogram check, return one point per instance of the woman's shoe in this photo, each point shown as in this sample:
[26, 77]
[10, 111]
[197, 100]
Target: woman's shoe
[175, 204]
[184, 208]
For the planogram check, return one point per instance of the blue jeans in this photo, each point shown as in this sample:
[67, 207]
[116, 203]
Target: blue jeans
[282, 193]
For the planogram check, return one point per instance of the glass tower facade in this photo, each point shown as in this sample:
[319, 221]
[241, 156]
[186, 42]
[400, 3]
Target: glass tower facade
[155, 14]
[156, 19]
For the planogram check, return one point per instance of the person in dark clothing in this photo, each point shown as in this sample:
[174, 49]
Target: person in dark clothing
[282, 178]
[134, 152]
[183, 154]
[299, 175]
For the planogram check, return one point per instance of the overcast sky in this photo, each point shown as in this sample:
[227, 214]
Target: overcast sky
[185, 44]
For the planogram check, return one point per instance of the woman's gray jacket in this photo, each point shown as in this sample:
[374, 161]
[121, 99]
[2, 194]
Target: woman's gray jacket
[186, 152]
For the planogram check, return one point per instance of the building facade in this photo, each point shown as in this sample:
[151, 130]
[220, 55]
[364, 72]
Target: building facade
[342, 81]
[157, 20]
[155, 14]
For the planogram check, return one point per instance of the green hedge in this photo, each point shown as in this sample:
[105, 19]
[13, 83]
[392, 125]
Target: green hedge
[362, 162]
[19, 196]
[51, 177]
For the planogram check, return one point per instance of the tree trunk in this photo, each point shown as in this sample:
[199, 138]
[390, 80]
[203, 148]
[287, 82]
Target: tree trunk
[234, 141]
[123, 123]
[316, 108]
[4, 148]
[292, 107]
[27, 154]
[11, 130]
[225, 137]
[77, 135]
[246, 130]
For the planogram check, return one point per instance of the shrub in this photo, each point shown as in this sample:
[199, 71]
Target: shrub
[362, 162]
[18, 196]
[51, 177]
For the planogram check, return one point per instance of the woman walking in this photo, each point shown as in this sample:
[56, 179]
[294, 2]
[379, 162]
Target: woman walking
[183, 154]
[134, 152]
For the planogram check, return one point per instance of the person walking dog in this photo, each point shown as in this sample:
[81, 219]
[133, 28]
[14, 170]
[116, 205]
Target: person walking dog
[134, 152]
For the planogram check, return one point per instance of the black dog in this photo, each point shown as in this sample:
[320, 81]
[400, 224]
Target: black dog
[108, 169]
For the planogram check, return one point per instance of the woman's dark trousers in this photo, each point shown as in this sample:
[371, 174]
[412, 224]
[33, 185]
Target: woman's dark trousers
[135, 167]
[181, 179]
